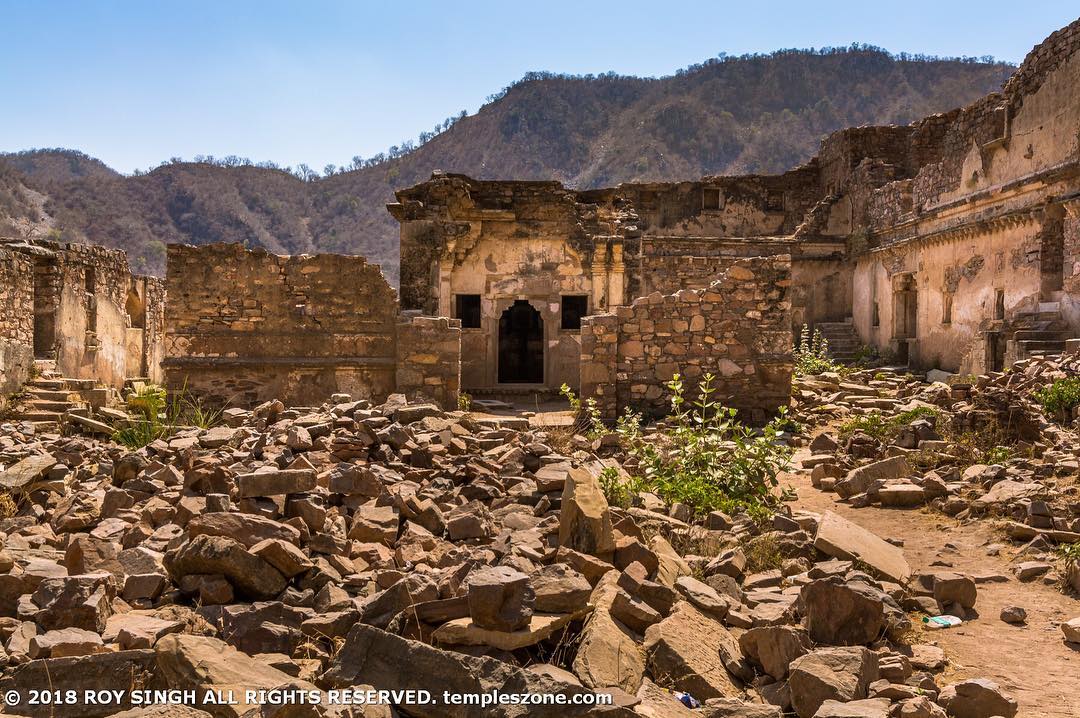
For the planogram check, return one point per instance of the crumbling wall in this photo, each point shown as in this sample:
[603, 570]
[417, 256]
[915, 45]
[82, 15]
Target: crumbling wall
[738, 329]
[1070, 304]
[429, 359]
[80, 299]
[498, 243]
[821, 276]
[244, 326]
[16, 320]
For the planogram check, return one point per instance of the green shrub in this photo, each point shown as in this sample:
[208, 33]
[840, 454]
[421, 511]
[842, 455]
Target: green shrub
[707, 459]
[156, 416]
[884, 429]
[587, 419]
[812, 354]
[1060, 398]
[618, 490]
[1069, 553]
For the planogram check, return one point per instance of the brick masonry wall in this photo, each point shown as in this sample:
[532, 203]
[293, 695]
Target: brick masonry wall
[244, 326]
[16, 320]
[429, 359]
[739, 329]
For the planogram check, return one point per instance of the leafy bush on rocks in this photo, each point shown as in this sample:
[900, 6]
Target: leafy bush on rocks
[812, 354]
[1060, 398]
[706, 458]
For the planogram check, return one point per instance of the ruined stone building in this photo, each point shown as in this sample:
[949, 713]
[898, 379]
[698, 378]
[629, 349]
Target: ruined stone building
[522, 263]
[951, 243]
[81, 307]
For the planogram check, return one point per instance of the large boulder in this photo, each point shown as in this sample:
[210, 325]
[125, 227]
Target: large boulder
[608, 654]
[74, 602]
[390, 662]
[840, 674]
[774, 647]
[249, 574]
[585, 520]
[133, 670]
[977, 698]
[859, 479]
[842, 614]
[500, 599]
[248, 529]
[842, 539]
[202, 664]
[560, 589]
[698, 654]
[275, 482]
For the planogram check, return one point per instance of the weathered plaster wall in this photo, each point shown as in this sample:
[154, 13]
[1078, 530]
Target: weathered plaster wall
[971, 269]
[738, 329]
[245, 326]
[80, 316]
[16, 320]
[505, 242]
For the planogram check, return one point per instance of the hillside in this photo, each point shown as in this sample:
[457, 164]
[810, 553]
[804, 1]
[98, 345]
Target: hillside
[727, 116]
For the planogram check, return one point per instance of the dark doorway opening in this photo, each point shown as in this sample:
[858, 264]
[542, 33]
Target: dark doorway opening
[995, 351]
[521, 345]
[46, 299]
[1052, 254]
[905, 307]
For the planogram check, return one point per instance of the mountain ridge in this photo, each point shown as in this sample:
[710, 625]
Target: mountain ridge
[756, 114]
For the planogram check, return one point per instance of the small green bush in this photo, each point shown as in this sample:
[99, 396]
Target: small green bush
[884, 429]
[157, 416]
[812, 354]
[1060, 398]
[707, 459]
[587, 419]
[619, 491]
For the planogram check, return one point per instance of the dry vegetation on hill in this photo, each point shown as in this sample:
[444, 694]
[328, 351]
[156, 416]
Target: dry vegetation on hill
[733, 115]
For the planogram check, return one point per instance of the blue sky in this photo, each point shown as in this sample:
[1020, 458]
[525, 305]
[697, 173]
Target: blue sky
[134, 83]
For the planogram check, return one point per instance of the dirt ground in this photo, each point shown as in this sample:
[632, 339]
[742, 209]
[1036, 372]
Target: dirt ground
[1031, 662]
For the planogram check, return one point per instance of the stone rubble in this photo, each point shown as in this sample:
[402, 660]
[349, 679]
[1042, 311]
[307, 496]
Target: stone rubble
[403, 547]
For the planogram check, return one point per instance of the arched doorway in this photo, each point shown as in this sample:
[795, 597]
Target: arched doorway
[521, 345]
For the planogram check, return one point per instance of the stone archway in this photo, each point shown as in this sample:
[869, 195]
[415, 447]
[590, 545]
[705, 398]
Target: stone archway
[521, 345]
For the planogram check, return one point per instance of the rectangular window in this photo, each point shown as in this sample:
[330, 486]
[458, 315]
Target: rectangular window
[468, 310]
[875, 319]
[999, 304]
[710, 198]
[946, 308]
[573, 309]
[774, 201]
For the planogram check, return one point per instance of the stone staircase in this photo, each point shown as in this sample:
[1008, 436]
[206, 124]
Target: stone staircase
[844, 342]
[48, 398]
[1041, 333]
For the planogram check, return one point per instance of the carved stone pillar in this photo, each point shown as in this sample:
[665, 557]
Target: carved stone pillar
[616, 279]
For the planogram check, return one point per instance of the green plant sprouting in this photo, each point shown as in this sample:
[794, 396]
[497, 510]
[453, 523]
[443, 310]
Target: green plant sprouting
[157, 415]
[706, 458]
[1060, 398]
[812, 354]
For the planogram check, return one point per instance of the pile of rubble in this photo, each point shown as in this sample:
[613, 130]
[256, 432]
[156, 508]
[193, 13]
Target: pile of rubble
[405, 548]
[932, 460]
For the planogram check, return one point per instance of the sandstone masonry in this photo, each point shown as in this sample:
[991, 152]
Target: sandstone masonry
[738, 329]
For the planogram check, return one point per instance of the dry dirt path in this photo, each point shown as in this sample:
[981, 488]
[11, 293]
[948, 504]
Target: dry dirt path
[1031, 662]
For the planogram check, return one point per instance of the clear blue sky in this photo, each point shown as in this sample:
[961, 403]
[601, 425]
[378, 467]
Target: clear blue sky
[317, 81]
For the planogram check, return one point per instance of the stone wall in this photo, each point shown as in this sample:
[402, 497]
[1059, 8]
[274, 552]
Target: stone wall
[88, 312]
[739, 329]
[429, 359]
[244, 326]
[16, 320]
